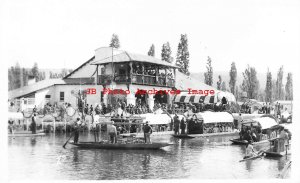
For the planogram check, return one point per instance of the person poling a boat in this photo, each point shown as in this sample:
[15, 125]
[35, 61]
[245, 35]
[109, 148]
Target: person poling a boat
[33, 124]
[76, 130]
[112, 132]
[147, 132]
[249, 150]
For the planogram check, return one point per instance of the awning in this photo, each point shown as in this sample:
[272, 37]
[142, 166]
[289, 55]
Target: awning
[195, 99]
[15, 115]
[185, 97]
[214, 117]
[265, 122]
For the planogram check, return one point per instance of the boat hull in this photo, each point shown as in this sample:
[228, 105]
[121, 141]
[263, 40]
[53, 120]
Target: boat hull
[261, 144]
[183, 136]
[26, 134]
[269, 153]
[95, 145]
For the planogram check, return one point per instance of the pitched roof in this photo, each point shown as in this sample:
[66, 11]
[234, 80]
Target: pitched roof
[125, 56]
[183, 82]
[91, 59]
[33, 88]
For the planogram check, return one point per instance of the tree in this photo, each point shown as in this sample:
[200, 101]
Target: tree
[35, 71]
[166, 53]
[279, 85]
[237, 94]
[289, 87]
[11, 83]
[25, 77]
[219, 83]
[223, 86]
[232, 74]
[269, 87]
[151, 52]
[208, 76]
[115, 43]
[17, 76]
[250, 83]
[183, 55]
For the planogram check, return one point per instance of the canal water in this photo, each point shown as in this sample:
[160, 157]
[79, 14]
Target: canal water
[43, 158]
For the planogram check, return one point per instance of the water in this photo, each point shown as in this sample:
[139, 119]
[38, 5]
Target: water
[44, 158]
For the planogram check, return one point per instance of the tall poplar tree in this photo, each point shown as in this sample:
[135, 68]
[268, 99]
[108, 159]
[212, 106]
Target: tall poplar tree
[279, 84]
[269, 87]
[183, 55]
[250, 83]
[219, 82]
[115, 43]
[289, 87]
[232, 80]
[151, 51]
[166, 53]
[208, 75]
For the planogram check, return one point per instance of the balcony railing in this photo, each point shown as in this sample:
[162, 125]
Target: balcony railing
[137, 79]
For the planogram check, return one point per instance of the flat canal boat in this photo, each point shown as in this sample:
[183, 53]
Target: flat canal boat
[133, 146]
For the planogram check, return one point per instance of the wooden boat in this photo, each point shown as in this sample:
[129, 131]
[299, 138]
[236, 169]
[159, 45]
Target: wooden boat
[132, 146]
[26, 134]
[183, 136]
[252, 158]
[270, 153]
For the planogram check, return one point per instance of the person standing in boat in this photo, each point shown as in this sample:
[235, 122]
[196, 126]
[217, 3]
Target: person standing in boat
[147, 132]
[283, 140]
[76, 130]
[176, 124]
[182, 125]
[33, 124]
[112, 132]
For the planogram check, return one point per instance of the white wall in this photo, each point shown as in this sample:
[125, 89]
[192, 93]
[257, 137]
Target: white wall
[40, 96]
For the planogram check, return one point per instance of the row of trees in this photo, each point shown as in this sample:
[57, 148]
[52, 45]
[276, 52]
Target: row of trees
[18, 76]
[274, 89]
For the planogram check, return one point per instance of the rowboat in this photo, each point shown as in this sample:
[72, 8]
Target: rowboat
[131, 146]
[273, 150]
[258, 155]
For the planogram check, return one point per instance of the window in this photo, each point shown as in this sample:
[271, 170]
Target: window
[47, 96]
[62, 96]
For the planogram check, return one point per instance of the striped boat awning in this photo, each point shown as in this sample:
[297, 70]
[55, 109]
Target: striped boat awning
[196, 99]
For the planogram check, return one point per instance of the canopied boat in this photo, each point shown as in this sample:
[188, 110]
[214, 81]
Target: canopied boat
[209, 123]
[268, 126]
[279, 146]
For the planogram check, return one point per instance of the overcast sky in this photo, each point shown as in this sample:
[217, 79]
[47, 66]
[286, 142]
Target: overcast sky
[65, 33]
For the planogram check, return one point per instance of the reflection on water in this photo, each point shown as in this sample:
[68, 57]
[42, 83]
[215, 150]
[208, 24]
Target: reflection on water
[214, 157]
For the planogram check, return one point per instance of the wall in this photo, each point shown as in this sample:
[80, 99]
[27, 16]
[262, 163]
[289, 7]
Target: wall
[40, 96]
[70, 98]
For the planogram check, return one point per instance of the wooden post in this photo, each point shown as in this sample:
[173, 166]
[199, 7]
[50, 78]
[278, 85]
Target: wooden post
[166, 77]
[131, 71]
[143, 73]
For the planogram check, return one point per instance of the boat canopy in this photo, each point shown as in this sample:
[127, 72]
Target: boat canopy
[214, 117]
[264, 122]
[15, 115]
[156, 119]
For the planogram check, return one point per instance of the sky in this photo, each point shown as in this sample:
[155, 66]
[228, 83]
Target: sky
[65, 33]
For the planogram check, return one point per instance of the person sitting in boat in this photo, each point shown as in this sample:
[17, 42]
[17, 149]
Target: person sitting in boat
[249, 150]
[76, 130]
[112, 132]
[247, 135]
[147, 132]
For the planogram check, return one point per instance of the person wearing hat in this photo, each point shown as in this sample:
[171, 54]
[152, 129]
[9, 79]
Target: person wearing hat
[112, 132]
[147, 132]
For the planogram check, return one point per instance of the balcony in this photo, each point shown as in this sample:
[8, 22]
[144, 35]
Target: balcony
[137, 79]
